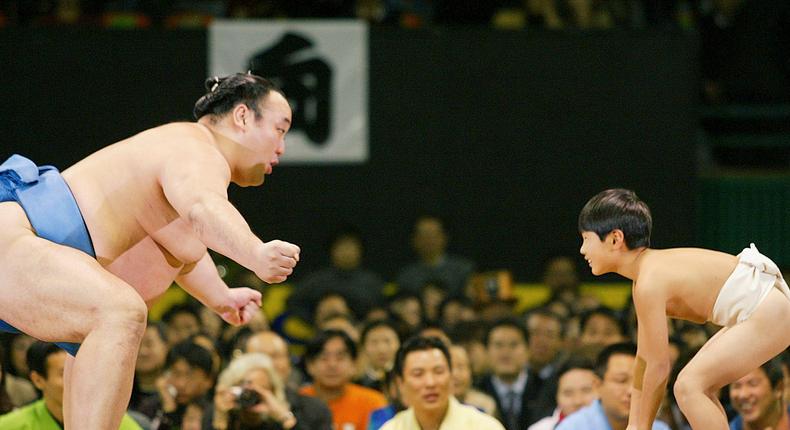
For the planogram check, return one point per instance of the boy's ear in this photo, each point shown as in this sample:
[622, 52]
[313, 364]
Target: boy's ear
[616, 238]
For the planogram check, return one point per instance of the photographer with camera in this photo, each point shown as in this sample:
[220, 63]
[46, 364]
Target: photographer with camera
[250, 395]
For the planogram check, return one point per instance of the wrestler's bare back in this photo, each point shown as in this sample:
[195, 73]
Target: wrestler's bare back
[690, 277]
[136, 233]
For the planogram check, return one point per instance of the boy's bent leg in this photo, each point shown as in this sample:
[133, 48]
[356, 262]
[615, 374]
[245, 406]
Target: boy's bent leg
[728, 356]
[56, 293]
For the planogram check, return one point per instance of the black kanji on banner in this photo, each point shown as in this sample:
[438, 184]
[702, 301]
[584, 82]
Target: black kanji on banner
[304, 78]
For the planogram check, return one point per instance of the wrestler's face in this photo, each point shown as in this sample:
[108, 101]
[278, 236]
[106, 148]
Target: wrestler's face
[596, 252]
[265, 136]
[754, 398]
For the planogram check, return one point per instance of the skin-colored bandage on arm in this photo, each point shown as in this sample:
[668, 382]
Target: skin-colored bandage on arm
[639, 372]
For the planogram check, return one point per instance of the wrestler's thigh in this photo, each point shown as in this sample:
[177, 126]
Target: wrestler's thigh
[739, 349]
[54, 292]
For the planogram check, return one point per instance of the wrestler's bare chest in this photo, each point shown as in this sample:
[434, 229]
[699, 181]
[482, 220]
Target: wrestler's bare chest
[137, 235]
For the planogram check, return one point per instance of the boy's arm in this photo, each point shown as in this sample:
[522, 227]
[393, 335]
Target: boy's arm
[197, 189]
[652, 367]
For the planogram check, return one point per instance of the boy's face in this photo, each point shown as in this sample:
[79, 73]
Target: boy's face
[596, 252]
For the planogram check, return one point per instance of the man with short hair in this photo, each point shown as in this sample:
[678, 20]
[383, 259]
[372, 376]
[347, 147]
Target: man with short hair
[46, 362]
[424, 378]
[331, 361]
[516, 389]
[758, 397]
[614, 366]
[188, 377]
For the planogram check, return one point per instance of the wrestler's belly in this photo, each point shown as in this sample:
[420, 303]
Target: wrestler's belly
[145, 267]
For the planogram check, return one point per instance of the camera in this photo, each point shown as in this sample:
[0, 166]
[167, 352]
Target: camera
[245, 397]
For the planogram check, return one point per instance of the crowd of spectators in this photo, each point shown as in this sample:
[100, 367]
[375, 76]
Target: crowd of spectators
[503, 14]
[436, 354]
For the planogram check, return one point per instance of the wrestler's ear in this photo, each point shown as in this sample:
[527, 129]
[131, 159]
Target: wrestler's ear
[240, 115]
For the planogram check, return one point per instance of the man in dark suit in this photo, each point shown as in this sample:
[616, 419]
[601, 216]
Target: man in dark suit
[516, 389]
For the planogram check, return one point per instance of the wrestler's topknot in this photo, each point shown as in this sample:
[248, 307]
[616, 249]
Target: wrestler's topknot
[226, 92]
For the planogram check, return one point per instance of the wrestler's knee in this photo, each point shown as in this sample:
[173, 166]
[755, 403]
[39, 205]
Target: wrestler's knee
[125, 312]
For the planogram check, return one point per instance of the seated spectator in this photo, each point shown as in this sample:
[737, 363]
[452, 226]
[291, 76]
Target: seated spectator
[327, 305]
[343, 322]
[250, 395]
[187, 377]
[516, 389]
[471, 336]
[14, 391]
[330, 360]
[46, 362]
[454, 310]
[194, 415]
[380, 343]
[546, 330]
[181, 321]
[425, 380]
[462, 383]
[561, 276]
[396, 403]
[429, 241]
[345, 276]
[275, 347]
[312, 410]
[599, 328]
[406, 310]
[577, 387]
[432, 294]
[614, 365]
[150, 364]
[759, 399]
[434, 330]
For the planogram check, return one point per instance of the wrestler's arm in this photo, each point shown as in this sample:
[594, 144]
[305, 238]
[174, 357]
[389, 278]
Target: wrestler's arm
[197, 189]
[652, 366]
[202, 281]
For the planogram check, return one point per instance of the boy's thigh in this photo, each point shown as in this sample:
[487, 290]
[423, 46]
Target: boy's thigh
[54, 292]
[739, 349]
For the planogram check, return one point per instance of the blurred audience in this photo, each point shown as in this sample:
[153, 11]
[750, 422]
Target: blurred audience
[345, 277]
[758, 398]
[46, 362]
[462, 383]
[330, 361]
[424, 379]
[379, 343]
[614, 365]
[577, 388]
[429, 241]
[150, 364]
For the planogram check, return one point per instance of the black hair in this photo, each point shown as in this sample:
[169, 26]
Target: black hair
[773, 370]
[606, 312]
[345, 232]
[37, 356]
[575, 362]
[466, 332]
[618, 209]
[602, 361]
[194, 354]
[462, 300]
[371, 325]
[419, 343]
[548, 313]
[180, 308]
[227, 92]
[316, 346]
[506, 322]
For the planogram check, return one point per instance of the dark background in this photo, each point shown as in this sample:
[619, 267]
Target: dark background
[506, 134]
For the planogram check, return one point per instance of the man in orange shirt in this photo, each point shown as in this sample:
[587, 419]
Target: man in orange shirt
[330, 359]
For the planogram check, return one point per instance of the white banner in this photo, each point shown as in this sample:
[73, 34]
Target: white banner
[321, 66]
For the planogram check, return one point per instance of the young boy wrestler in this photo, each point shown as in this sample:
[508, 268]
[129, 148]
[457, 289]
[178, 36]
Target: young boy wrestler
[745, 294]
